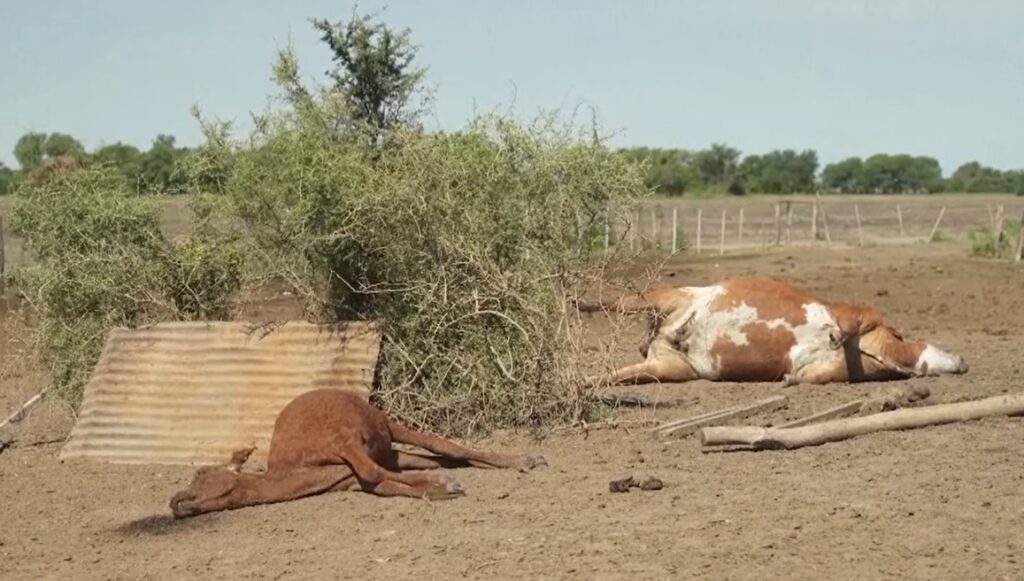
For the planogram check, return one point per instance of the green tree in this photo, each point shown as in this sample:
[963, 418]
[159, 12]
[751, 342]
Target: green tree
[373, 72]
[718, 165]
[58, 144]
[670, 172]
[972, 177]
[126, 158]
[29, 150]
[779, 172]
[158, 166]
[7, 179]
[844, 176]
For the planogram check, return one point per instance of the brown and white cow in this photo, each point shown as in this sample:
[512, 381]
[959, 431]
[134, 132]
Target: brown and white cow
[764, 329]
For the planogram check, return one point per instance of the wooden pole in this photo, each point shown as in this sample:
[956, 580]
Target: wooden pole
[814, 223]
[899, 216]
[824, 219]
[655, 239]
[839, 411]
[721, 240]
[19, 414]
[997, 230]
[789, 223]
[3, 259]
[935, 228]
[860, 228]
[675, 229]
[692, 424]
[836, 430]
[778, 224]
[739, 241]
[1020, 240]
[607, 233]
[700, 225]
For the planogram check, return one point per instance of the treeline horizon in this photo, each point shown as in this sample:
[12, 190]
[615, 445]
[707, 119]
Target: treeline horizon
[718, 169]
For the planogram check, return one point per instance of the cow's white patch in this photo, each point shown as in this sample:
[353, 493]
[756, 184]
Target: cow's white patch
[707, 327]
[934, 361]
[813, 339]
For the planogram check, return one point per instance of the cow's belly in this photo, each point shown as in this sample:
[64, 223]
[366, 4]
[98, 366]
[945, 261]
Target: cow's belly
[737, 345]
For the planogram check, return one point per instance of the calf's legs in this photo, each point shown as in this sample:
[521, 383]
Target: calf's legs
[480, 459]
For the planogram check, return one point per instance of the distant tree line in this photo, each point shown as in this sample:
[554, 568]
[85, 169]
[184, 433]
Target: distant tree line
[672, 172]
[723, 169]
[154, 171]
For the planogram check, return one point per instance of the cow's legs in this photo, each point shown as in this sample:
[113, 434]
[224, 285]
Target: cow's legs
[663, 370]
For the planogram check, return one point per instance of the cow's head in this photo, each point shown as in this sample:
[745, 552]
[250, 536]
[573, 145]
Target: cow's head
[884, 348]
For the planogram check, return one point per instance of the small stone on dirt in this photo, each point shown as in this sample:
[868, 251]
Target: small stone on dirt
[624, 484]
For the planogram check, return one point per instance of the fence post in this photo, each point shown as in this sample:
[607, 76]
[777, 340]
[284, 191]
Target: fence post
[675, 229]
[860, 229]
[997, 230]
[814, 223]
[3, 259]
[899, 216]
[935, 228]
[824, 219]
[789, 223]
[700, 224]
[1020, 239]
[655, 239]
[778, 224]
[739, 241]
[721, 241]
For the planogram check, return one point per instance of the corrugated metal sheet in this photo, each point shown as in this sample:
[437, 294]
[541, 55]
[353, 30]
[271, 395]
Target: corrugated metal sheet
[191, 393]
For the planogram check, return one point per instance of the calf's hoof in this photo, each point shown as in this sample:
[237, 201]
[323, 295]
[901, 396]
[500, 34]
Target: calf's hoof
[446, 488]
[528, 462]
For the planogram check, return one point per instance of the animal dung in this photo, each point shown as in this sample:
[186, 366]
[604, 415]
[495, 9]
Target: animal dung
[624, 484]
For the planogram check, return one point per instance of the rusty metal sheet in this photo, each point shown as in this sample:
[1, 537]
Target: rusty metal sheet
[191, 393]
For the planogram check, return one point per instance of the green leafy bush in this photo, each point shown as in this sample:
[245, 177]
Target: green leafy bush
[101, 261]
[464, 245]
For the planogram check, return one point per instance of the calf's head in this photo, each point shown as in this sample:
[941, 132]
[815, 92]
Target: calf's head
[212, 488]
[884, 347]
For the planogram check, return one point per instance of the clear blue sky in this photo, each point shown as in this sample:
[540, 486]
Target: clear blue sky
[941, 78]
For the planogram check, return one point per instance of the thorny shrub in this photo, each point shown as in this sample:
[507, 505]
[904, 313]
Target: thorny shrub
[464, 246]
[101, 261]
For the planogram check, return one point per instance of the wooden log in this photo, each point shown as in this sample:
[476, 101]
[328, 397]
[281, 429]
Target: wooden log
[860, 228]
[899, 216]
[700, 224]
[935, 228]
[840, 411]
[721, 238]
[837, 430]
[691, 425]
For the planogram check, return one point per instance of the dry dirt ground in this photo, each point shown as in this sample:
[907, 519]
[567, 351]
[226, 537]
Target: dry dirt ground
[943, 502]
